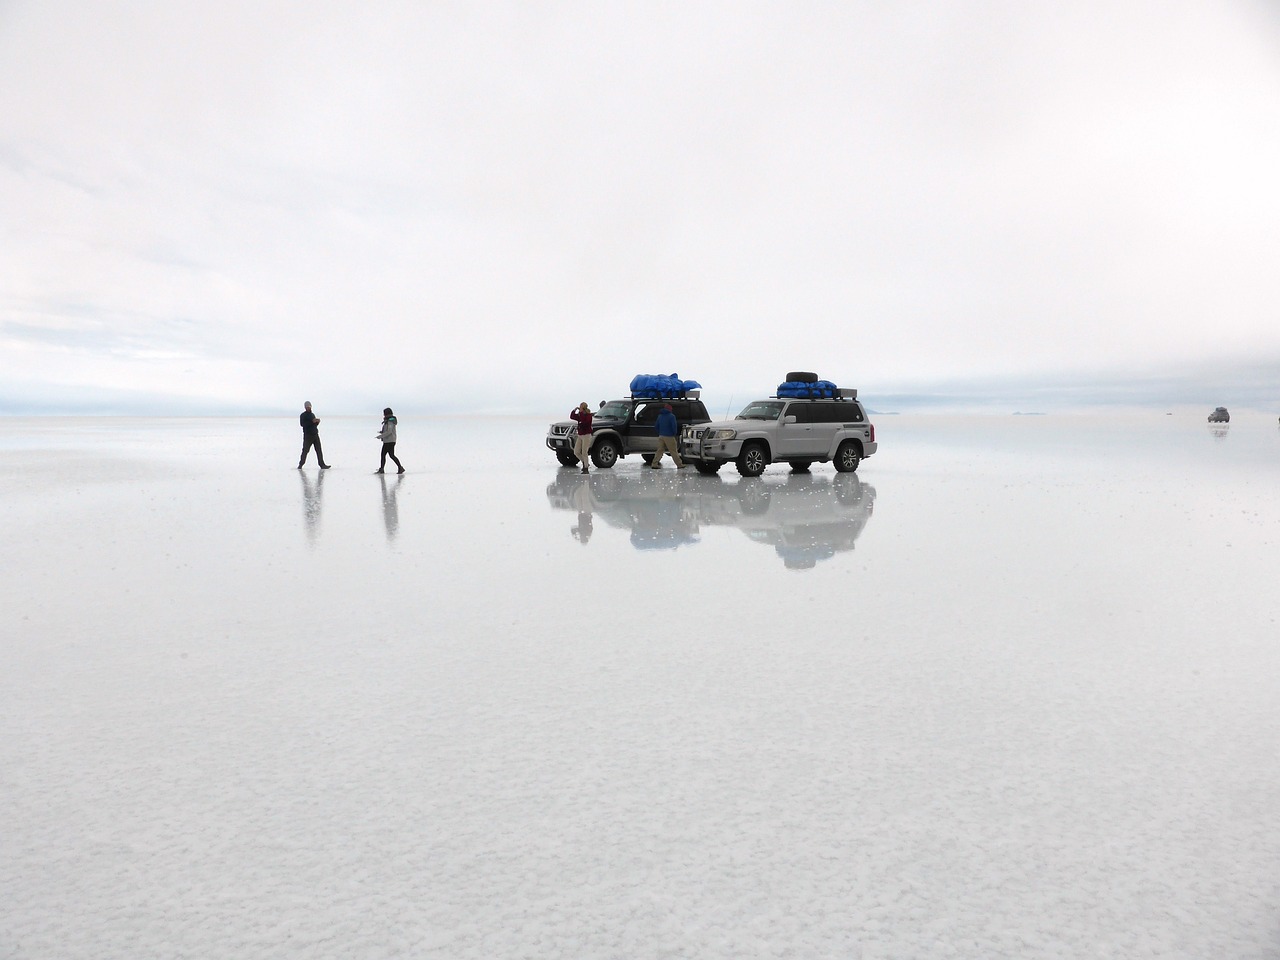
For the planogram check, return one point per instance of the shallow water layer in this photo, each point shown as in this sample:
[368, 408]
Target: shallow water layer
[1007, 691]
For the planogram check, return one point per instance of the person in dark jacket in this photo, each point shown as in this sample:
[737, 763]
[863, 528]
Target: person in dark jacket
[668, 428]
[388, 437]
[582, 446]
[310, 436]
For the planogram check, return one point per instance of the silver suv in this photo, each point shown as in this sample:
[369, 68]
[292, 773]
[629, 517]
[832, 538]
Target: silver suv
[784, 430]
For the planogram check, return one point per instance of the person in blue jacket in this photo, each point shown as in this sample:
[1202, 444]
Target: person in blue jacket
[668, 428]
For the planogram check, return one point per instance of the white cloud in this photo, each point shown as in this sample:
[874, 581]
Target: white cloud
[385, 198]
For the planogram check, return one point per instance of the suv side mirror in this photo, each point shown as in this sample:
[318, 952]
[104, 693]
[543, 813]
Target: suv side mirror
[789, 419]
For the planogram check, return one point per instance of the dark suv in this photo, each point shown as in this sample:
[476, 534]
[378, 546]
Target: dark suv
[626, 426]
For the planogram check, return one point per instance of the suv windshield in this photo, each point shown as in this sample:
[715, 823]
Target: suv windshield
[614, 410]
[761, 410]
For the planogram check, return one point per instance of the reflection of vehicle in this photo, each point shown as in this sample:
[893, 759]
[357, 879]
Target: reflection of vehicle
[622, 427]
[804, 518]
[784, 430]
[1219, 415]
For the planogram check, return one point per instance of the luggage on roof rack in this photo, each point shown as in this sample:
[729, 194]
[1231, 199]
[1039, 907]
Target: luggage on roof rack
[657, 386]
[807, 390]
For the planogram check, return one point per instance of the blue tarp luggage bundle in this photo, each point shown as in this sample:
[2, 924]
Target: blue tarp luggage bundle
[806, 390]
[660, 385]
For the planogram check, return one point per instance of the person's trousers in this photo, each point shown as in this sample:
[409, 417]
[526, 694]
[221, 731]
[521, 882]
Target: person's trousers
[582, 448]
[389, 450]
[669, 445]
[307, 444]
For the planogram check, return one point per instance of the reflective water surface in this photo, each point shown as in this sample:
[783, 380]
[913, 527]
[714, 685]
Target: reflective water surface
[1009, 690]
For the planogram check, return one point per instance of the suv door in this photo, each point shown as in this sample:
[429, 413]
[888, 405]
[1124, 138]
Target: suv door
[642, 437]
[795, 440]
[829, 419]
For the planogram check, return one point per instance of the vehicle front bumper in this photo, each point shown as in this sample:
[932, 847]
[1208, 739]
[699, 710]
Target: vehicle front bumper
[709, 451]
[561, 442]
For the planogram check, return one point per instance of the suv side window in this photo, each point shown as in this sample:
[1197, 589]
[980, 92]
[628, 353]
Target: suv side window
[839, 413]
[647, 414]
[803, 412]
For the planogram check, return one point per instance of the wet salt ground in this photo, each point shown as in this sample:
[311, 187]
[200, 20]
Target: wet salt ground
[1008, 692]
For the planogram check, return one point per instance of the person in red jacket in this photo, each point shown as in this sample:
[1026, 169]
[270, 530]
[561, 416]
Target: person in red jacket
[582, 445]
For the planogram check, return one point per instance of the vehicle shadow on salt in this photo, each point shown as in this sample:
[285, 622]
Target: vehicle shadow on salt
[806, 518]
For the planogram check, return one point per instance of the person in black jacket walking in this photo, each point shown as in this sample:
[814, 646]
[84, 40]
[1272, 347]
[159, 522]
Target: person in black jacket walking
[310, 436]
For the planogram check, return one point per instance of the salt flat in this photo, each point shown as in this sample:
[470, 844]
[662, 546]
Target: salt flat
[1010, 691]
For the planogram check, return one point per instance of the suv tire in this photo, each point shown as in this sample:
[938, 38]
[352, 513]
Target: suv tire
[605, 453]
[801, 466]
[848, 457]
[802, 376]
[708, 469]
[566, 458]
[753, 459]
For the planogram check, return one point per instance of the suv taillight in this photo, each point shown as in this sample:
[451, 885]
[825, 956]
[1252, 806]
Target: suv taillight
[873, 433]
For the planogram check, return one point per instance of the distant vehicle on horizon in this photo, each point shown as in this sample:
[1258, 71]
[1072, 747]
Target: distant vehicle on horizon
[1219, 415]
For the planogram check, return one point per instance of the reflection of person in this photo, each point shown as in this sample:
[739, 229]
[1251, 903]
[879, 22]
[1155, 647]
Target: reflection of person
[311, 494]
[388, 437]
[582, 503]
[668, 427]
[310, 436]
[390, 508]
[582, 445]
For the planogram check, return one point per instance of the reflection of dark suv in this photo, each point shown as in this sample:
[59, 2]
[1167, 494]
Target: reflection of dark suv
[621, 427]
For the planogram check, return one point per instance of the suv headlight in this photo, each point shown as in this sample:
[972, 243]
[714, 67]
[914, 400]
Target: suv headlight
[726, 434]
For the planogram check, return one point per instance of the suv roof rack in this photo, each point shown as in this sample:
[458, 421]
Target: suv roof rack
[842, 393]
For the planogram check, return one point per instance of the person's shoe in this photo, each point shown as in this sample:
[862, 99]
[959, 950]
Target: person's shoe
[299, 466]
[401, 470]
[379, 471]
[585, 470]
[325, 466]
[655, 466]
[681, 466]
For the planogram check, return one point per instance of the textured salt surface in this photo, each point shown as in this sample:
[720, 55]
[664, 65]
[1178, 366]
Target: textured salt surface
[1010, 692]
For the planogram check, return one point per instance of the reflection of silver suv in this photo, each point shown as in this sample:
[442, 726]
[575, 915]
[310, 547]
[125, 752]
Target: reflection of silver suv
[805, 519]
[783, 430]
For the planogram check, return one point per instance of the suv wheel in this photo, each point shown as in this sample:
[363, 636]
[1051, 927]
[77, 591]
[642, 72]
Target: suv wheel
[708, 469]
[605, 453]
[566, 458]
[801, 466]
[752, 460]
[848, 457]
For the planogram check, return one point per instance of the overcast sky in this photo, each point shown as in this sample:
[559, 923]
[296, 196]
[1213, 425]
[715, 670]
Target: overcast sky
[237, 206]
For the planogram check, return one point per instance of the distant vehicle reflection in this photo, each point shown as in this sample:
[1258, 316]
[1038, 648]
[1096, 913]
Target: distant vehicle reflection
[806, 518]
[1219, 431]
